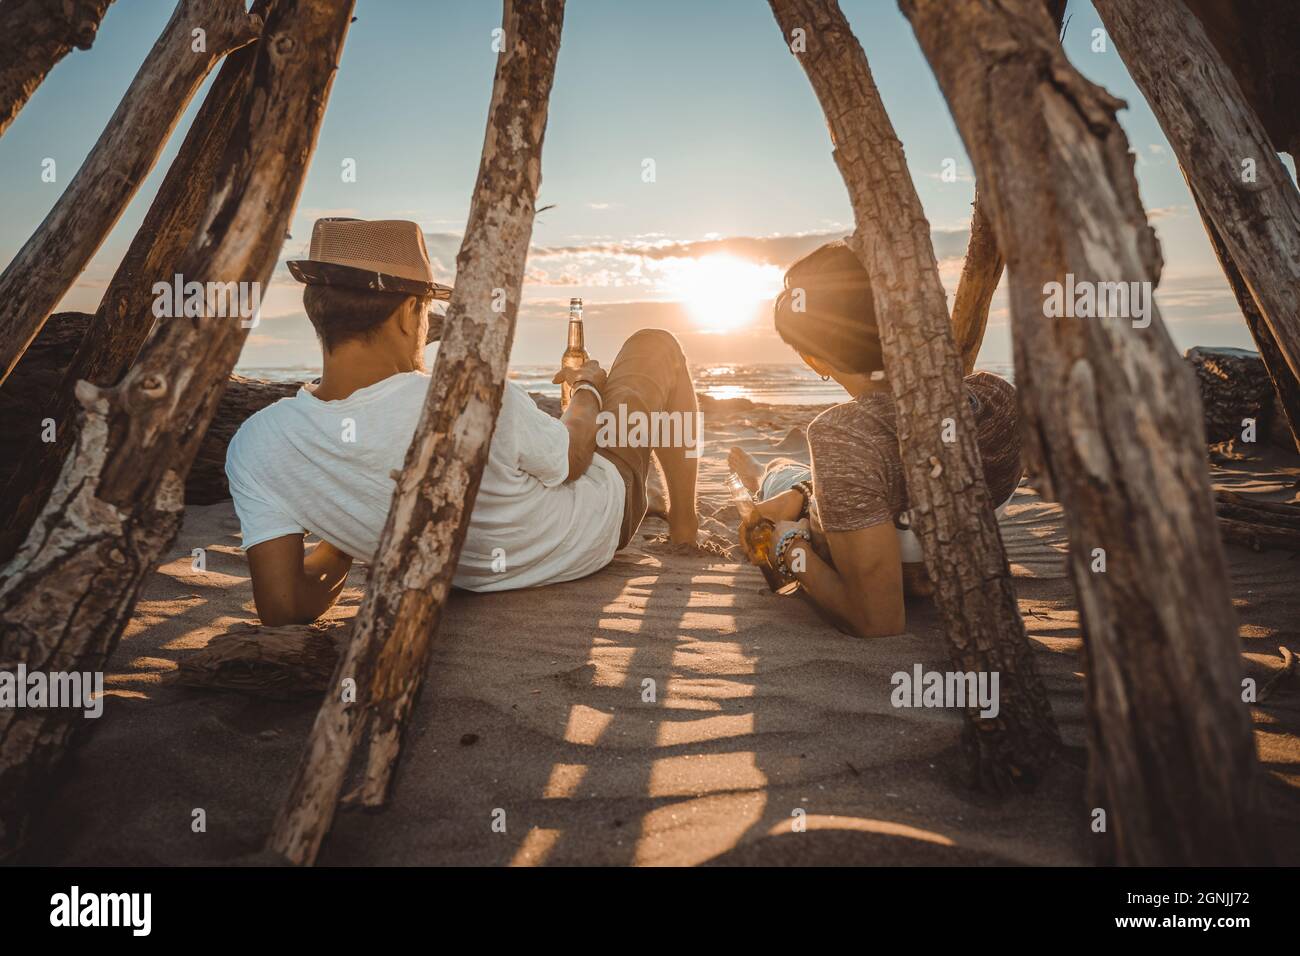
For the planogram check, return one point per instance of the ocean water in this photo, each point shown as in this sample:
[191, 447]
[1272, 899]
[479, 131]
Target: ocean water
[768, 384]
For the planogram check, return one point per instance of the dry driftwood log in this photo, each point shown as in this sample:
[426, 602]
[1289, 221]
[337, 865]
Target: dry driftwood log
[1258, 40]
[35, 35]
[30, 395]
[125, 314]
[68, 593]
[58, 251]
[411, 576]
[1284, 384]
[280, 663]
[1234, 386]
[1258, 524]
[982, 268]
[1227, 156]
[1113, 432]
[952, 513]
[980, 273]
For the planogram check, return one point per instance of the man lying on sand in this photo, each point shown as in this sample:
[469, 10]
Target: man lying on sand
[551, 506]
[859, 560]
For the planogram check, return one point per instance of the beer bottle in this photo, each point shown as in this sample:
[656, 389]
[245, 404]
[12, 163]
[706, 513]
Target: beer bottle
[756, 532]
[575, 356]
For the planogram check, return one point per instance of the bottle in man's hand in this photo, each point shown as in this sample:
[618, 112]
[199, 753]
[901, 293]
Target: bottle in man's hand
[575, 356]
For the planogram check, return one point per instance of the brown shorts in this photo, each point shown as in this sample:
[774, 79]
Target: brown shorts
[646, 377]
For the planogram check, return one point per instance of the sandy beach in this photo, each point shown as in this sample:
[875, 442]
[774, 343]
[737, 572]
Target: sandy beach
[533, 713]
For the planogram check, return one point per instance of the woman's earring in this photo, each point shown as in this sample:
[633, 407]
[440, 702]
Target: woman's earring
[826, 378]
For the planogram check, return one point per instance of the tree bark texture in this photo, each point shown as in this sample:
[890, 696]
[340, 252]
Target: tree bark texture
[125, 314]
[411, 576]
[1234, 387]
[980, 273]
[1113, 430]
[1258, 40]
[951, 511]
[28, 392]
[66, 596]
[1286, 386]
[982, 268]
[34, 36]
[59, 250]
[1228, 158]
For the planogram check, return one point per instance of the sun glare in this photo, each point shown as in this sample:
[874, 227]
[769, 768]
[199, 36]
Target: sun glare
[723, 292]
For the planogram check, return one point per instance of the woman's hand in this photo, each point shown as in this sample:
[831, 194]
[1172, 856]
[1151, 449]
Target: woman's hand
[783, 526]
[743, 534]
[780, 530]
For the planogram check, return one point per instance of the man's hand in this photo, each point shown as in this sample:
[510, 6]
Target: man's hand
[591, 373]
[580, 417]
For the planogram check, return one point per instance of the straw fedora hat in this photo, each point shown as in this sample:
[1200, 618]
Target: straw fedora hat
[386, 255]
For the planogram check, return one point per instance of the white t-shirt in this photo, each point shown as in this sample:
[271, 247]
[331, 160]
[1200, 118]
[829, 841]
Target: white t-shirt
[302, 464]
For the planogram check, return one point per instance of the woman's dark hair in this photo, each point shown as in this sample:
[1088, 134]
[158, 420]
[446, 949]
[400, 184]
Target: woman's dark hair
[340, 313]
[827, 310]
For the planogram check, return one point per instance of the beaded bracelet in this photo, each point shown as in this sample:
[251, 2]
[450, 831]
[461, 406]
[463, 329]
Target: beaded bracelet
[784, 543]
[804, 488]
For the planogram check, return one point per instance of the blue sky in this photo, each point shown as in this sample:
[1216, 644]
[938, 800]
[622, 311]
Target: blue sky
[744, 180]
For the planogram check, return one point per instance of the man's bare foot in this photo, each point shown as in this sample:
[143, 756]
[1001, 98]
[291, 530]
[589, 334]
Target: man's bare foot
[744, 465]
[683, 529]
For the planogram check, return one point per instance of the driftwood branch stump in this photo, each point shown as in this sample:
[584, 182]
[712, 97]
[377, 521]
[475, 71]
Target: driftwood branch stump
[279, 663]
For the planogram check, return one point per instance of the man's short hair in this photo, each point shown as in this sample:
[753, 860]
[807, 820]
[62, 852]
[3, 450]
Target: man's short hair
[341, 314]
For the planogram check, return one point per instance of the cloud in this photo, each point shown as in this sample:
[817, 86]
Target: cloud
[1165, 212]
[638, 262]
[632, 261]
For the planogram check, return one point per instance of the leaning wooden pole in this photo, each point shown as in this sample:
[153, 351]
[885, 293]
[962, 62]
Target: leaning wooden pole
[34, 36]
[952, 513]
[59, 250]
[411, 576]
[981, 270]
[1113, 430]
[980, 273]
[67, 595]
[1286, 387]
[1223, 148]
[125, 314]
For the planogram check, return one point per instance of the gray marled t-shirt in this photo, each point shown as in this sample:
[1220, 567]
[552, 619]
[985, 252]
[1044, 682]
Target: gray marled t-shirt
[858, 472]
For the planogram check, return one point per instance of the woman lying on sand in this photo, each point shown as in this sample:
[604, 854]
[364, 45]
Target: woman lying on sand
[841, 525]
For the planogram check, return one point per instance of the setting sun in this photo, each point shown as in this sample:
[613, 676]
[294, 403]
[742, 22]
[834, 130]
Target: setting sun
[723, 292]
